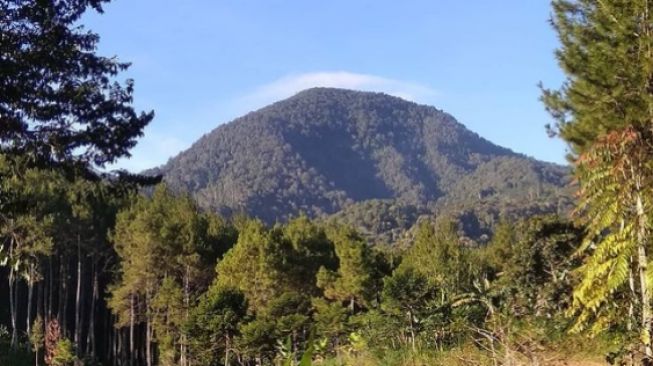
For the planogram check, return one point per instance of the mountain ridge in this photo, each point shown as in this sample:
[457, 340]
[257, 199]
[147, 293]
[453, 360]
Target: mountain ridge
[325, 149]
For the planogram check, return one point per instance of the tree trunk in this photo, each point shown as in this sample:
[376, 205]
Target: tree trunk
[148, 326]
[148, 341]
[642, 264]
[50, 290]
[90, 338]
[116, 345]
[646, 305]
[12, 299]
[12, 308]
[131, 329]
[412, 330]
[633, 293]
[226, 350]
[63, 295]
[184, 341]
[78, 299]
[30, 296]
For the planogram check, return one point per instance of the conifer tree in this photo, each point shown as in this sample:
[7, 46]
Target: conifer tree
[604, 111]
[60, 103]
[406, 294]
[37, 338]
[214, 323]
[356, 281]
[438, 254]
[607, 54]
[157, 241]
[258, 265]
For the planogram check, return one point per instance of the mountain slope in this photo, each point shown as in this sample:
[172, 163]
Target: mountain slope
[325, 149]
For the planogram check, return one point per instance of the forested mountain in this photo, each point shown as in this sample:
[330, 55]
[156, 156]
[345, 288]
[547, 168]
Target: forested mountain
[325, 149]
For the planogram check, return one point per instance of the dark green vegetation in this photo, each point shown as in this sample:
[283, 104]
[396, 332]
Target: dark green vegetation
[163, 283]
[59, 104]
[325, 150]
[97, 273]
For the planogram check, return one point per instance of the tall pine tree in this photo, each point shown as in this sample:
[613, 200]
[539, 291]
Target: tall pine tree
[60, 102]
[604, 110]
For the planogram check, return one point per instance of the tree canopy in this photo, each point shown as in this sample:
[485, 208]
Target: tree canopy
[60, 101]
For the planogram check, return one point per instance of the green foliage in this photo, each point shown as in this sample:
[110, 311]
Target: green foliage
[167, 310]
[381, 222]
[406, 292]
[531, 264]
[64, 354]
[606, 54]
[214, 322]
[616, 183]
[55, 112]
[159, 241]
[604, 111]
[406, 295]
[257, 265]
[312, 250]
[37, 335]
[257, 340]
[356, 282]
[330, 320]
[439, 255]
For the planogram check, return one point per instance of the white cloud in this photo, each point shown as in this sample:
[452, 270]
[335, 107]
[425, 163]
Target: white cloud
[292, 84]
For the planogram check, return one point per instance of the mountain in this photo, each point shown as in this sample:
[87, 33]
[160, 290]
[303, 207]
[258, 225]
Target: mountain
[325, 150]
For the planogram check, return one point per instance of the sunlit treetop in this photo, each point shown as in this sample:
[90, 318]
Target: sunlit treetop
[606, 53]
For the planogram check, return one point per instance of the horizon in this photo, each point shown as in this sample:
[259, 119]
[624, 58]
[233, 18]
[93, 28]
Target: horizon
[479, 64]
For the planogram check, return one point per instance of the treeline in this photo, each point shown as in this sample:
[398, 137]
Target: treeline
[129, 279]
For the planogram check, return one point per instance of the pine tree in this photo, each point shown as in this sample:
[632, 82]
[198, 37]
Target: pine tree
[258, 265]
[214, 323]
[37, 338]
[60, 103]
[158, 240]
[356, 281]
[405, 295]
[607, 54]
[311, 250]
[604, 111]
[438, 254]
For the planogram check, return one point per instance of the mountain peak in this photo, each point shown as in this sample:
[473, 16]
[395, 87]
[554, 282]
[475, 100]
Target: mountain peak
[329, 91]
[346, 95]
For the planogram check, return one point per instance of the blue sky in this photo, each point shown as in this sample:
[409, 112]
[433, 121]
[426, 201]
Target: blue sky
[200, 63]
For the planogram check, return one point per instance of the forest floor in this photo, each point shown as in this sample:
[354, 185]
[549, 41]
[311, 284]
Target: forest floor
[575, 361]
[579, 363]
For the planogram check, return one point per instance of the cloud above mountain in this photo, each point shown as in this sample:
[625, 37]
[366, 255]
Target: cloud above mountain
[289, 85]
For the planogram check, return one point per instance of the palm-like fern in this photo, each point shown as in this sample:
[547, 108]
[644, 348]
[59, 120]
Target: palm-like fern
[615, 196]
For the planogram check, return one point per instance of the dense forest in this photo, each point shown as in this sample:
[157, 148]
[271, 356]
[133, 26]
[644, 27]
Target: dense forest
[112, 268]
[166, 283]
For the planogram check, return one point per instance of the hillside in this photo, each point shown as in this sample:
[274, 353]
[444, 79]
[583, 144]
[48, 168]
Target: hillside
[324, 150]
